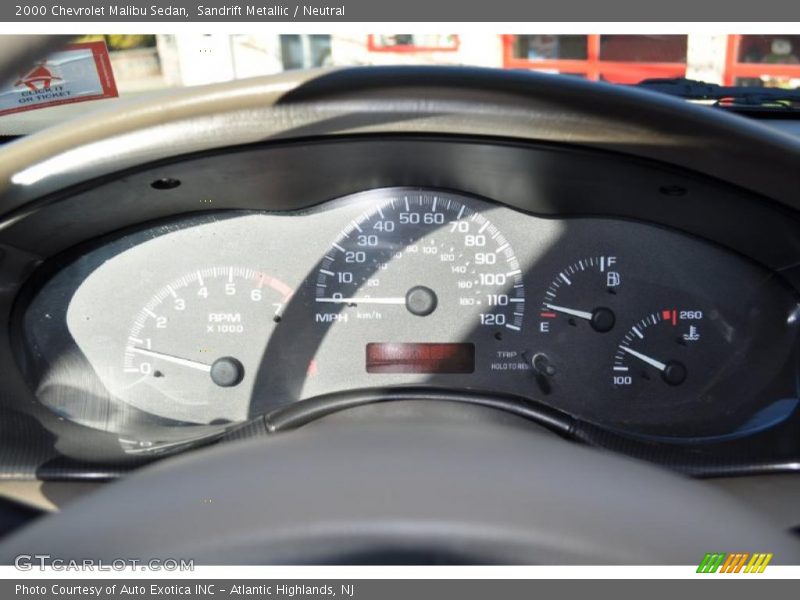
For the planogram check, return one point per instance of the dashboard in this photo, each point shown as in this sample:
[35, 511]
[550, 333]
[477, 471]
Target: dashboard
[241, 275]
[370, 299]
[181, 330]
[234, 314]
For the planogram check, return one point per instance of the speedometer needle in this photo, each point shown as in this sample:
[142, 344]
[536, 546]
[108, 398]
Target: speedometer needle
[644, 358]
[363, 300]
[581, 314]
[192, 364]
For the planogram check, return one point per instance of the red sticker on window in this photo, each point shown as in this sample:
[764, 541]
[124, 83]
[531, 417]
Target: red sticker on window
[78, 73]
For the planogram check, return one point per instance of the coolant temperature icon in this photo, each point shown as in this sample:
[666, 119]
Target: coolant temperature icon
[693, 335]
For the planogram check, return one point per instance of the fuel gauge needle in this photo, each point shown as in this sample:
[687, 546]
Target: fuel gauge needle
[581, 314]
[644, 358]
[185, 362]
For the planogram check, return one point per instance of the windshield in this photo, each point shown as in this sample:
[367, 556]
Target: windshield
[145, 64]
[153, 61]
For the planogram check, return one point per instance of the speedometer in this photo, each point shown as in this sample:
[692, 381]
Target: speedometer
[418, 255]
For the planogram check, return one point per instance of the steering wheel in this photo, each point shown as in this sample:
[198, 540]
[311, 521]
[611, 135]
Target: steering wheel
[419, 482]
[427, 485]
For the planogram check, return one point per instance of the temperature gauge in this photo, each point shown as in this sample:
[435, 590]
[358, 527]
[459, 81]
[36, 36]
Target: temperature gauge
[659, 348]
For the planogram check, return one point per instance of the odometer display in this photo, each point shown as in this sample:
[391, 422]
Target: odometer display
[420, 358]
[420, 254]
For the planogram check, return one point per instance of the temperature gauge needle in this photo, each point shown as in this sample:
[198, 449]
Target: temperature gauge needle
[192, 364]
[644, 358]
[581, 314]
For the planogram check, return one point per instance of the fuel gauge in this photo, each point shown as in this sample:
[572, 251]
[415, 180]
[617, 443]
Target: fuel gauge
[581, 296]
[577, 309]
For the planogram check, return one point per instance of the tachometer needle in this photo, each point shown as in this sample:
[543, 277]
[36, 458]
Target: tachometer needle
[192, 364]
[581, 314]
[644, 358]
[363, 300]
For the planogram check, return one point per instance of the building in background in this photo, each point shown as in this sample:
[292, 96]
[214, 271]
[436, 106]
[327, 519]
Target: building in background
[148, 62]
[614, 58]
[763, 60]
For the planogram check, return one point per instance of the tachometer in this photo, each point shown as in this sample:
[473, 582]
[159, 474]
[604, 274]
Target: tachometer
[417, 254]
[194, 348]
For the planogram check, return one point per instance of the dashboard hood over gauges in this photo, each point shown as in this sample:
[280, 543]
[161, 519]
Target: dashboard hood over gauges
[408, 100]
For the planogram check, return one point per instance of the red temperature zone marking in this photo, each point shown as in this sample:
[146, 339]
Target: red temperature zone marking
[670, 315]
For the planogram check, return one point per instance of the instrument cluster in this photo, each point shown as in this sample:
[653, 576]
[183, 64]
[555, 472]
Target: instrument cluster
[183, 329]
